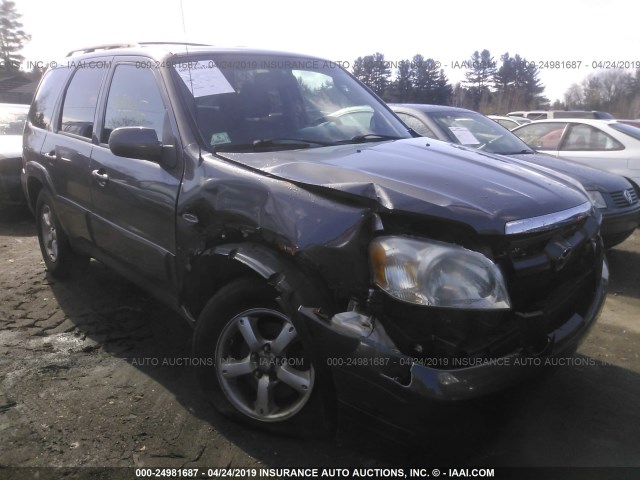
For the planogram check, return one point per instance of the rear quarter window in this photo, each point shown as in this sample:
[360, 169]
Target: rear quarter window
[41, 112]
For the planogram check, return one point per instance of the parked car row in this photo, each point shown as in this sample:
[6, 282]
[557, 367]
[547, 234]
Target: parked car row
[324, 253]
[614, 195]
[12, 119]
[610, 145]
[547, 114]
[509, 122]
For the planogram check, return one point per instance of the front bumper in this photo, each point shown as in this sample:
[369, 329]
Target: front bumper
[616, 227]
[373, 376]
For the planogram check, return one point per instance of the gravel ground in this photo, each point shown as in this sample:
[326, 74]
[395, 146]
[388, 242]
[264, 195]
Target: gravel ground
[92, 374]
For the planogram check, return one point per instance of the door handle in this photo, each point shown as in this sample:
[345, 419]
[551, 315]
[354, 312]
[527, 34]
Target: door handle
[50, 155]
[100, 176]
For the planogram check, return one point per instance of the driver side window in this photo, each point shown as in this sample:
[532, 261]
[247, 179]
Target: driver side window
[134, 101]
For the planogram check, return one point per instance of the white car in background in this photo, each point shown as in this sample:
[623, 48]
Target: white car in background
[509, 122]
[605, 144]
[12, 118]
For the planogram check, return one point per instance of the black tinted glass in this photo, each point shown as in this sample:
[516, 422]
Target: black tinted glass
[45, 100]
[134, 101]
[80, 101]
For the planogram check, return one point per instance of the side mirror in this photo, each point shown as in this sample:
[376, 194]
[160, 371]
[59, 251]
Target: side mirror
[136, 142]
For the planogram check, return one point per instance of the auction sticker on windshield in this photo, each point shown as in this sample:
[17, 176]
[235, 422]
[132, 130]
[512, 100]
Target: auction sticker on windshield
[203, 78]
[464, 136]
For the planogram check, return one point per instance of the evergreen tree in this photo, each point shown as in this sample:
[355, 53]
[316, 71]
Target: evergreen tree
[373, 71]
[12, 36]
[479, 77]
[403, 91]
[424, 77]
[444, 90]
[518, 85]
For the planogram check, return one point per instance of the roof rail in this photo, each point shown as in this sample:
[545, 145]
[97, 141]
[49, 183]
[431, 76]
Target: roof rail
[110, 46]
[106, 46]
[189, 44]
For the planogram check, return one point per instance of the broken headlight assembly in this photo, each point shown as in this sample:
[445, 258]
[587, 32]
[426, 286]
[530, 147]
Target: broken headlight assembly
[428, 272]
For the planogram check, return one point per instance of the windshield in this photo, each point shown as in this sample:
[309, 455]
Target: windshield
[12, 119]
[477, 131]
[259, 102]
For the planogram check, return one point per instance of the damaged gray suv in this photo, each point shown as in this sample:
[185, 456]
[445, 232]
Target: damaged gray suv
[321, 259]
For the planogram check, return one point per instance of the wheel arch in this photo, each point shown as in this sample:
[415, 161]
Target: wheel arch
[216, 267]
[37, 178]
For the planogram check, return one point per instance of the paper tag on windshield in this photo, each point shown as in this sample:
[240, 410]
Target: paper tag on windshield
[203, 78]
[220, 138]
[464, 136]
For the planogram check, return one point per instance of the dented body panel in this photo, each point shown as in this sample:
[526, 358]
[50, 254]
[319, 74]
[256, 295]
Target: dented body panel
[302, 210]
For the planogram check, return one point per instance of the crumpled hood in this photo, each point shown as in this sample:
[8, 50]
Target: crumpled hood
[426, 177]
[590, 178]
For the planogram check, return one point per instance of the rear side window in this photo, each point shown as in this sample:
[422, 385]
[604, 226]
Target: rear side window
[80, 101]
[542, 136]
[134, 101]
[586, 137]
[41, 111]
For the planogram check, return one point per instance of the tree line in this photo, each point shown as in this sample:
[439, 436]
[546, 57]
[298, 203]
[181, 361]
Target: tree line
[615, 91]
[489, 85]
[495, 86]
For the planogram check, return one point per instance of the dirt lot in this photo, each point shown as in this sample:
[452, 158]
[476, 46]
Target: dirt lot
[84, 381]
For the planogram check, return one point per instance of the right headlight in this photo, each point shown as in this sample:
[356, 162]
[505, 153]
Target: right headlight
[597, 199]
[427, 272]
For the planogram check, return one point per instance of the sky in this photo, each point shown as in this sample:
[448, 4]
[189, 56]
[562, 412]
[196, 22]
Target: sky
[569, 31]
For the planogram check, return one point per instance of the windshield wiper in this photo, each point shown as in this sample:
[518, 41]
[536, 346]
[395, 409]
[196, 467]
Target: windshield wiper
[521, 152]
[284, 143]
[370, 137]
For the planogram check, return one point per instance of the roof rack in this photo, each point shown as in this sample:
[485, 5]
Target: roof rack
[106, 46]
[189, 44]
[110, 46]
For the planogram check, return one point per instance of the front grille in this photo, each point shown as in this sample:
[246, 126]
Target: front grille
[624, 198]
[551, 276]
[542, 265]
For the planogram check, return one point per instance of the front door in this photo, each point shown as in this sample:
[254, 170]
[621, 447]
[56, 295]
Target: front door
[134, 200]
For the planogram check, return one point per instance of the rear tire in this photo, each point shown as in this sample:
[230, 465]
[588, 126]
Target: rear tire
[254, 366]
[57, 253]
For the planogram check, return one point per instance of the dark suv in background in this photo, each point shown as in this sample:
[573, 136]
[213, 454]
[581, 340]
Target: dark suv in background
[319, 259]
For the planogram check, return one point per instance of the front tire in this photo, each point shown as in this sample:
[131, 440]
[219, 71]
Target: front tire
[254, 366]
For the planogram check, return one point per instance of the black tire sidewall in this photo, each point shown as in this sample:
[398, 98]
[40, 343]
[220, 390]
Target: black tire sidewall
[61, 266]
[313, 420]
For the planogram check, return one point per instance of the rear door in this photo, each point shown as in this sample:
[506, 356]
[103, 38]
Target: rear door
[40, 121]
[134, 200]
[66, 153]
[591, 146]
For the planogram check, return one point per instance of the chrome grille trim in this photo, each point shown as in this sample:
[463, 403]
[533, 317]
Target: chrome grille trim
[624, 198]
[549, 221]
